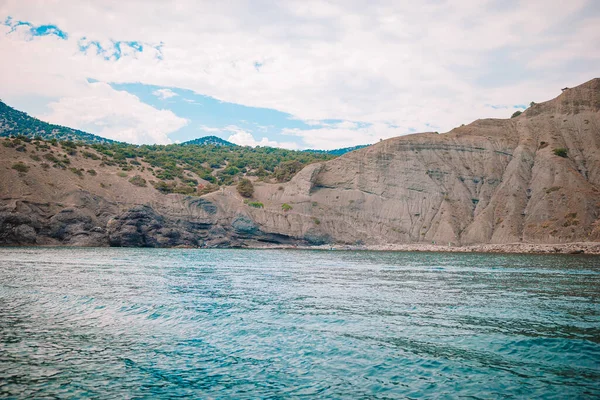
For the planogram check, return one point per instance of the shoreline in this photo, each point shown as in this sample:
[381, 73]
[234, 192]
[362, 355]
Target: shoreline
[590, 248]
[576, 248]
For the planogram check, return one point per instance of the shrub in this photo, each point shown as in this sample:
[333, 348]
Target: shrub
[21, 167]
[68, 144]
[91, 155]
[35, 157]
[138, 181]
[286, 170]
[561, 152]
[51, 157]
[183, 189]
[92, 172]
[256, 204]
[76, 171]
[317, 221]
[206, 189]
[516, 114]
[231, 170]
[122, 174]
[190, 182]
[286, 207]
[163, 187]
[245, 187]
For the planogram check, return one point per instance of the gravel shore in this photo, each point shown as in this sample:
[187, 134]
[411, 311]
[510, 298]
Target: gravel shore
[524, 248]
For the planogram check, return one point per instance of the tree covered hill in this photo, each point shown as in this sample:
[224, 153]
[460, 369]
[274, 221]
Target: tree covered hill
[208, 161]
[14, 122]
[211, 159]
[212, 140]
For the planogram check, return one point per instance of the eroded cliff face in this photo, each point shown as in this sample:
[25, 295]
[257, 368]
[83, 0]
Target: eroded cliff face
[493, 181]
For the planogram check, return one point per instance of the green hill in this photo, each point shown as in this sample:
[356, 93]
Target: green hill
[212, 140]
[177, 167]
[14, 123]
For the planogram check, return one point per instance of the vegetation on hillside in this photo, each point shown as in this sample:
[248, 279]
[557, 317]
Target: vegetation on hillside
[245, 187]
[14, 122]
[186, 169]
[196, 167]
[561, 152]
[221, 165]
[214, 140]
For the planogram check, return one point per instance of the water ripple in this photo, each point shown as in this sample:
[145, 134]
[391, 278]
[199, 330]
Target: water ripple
[151, 323]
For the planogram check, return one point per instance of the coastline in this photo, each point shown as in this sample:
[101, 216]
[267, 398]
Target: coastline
[590, 248]
[576, 248]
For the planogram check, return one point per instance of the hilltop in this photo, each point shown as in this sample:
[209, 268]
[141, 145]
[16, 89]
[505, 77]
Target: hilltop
[209, 140]
[531, 179]
[14, 122]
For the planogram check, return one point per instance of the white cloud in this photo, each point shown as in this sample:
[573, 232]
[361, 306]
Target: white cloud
[113, 114]
[389, 64]
[245, 138]
[344, 135]
[164, 93]
[210, 129]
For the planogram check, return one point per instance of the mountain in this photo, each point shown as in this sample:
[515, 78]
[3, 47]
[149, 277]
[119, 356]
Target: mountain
[531, 179]
[14, 122]
[209, 140]
[338, 152]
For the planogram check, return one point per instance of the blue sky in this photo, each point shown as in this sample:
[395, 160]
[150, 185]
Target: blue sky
[294, 74]
[208, 116]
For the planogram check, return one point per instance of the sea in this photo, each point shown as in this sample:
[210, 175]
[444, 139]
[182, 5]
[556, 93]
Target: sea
[116, 323]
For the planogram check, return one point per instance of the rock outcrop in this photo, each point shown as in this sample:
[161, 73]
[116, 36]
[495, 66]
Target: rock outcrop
[530, 179]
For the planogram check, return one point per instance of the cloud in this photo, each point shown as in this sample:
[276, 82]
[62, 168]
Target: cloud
[210, 129]
[392, 68]
[164, 93]
[33, 30]
[345, 134]
[113, 114]
[245, 138]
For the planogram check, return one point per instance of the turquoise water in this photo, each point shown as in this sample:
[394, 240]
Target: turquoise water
[150, 323]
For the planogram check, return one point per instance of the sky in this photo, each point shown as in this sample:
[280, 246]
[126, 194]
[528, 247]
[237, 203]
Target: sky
[294, 74]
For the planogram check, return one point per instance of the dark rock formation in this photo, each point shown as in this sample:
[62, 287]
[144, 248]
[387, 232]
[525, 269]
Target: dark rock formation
[141, 226]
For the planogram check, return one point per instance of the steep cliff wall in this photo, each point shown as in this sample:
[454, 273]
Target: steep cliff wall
[493, 181]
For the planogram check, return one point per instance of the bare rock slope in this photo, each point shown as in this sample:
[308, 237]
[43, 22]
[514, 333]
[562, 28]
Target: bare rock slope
[532, 179]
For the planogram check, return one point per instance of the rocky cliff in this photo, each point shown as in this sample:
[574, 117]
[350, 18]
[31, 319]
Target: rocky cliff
[533, 179]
